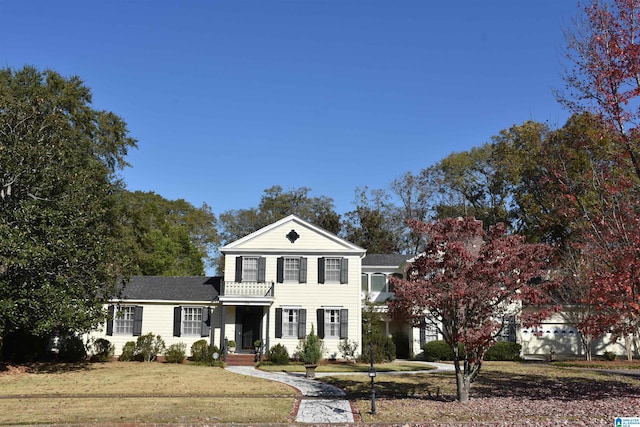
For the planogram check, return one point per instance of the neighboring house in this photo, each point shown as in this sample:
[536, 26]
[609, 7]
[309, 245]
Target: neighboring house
[279, 283]
[377, 290]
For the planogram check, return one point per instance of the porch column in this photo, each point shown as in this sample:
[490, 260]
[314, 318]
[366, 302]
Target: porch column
[222, 326]
[266, 340]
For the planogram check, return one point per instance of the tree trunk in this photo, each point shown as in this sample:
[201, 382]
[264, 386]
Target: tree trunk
[628, 345]
[586, 346]
[463, 383]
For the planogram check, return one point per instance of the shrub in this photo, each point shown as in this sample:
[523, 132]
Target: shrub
[401, 341]
[72, 349]
[103, 350]
[610, 356]
[278, 355]
[348, 349]
[437, 350]
[310, 349]
[128, 352]
[384, 350]
[503, 351]
[202, 353]
[176, 353]
[149, 346]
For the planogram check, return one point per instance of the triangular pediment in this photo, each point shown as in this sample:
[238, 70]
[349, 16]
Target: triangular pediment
[292, 235]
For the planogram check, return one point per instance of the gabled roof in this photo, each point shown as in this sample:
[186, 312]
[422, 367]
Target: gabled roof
[386, 260]
[296, 236]
[162, 288]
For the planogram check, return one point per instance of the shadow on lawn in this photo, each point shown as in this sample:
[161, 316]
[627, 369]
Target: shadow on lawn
[45, 367]
[441, 387]
[540, 387]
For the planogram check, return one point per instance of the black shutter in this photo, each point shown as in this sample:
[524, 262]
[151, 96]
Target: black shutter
[344, 324]
[262, 267]
[110, 313]
[205, 327]
[320, 318]
[278, 323]
[302, 323]
[303, 270]
[137, 321]
[238, 269]
[423, 336]
[344, 270]
[177, 320]
[320, 270]
[280, 270]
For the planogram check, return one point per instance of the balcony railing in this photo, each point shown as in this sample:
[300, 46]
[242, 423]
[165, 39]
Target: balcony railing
[247, 289]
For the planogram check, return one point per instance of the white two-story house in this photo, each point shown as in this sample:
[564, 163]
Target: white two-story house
[287, 278]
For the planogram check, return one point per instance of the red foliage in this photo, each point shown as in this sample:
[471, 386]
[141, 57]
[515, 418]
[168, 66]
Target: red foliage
[606, 55]
[470, 283]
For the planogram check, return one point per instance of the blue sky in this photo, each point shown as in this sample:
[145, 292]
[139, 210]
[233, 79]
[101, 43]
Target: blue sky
[228, 98]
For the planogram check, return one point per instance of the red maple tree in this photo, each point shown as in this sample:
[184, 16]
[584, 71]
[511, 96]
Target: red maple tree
[470, 283]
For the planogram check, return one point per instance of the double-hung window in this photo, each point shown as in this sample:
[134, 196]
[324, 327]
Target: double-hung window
[291, 322]
[123, 323]
[332, 323]
[124, 320]
[249, 269]
[292, 269]
[333, 270]
[191, 320]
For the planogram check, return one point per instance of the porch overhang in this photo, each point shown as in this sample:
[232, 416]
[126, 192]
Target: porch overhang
[243, 300]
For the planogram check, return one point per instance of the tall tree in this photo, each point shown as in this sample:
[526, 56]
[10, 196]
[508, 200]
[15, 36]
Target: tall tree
[470, 178]
[604, 76]
[371, 225]
[470, 283]
[59, 254]
[167, 237]
[276, 204]
[414, 192]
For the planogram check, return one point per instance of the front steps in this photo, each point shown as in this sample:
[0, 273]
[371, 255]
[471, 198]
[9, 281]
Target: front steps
[241, 359]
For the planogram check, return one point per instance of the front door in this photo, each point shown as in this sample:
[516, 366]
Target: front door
[248, 321]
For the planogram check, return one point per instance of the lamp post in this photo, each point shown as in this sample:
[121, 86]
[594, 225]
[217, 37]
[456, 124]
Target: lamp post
[372, 375]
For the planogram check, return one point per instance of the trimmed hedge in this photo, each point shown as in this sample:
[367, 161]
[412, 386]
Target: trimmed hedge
[504, 351]
[176, 353]
[278, 355]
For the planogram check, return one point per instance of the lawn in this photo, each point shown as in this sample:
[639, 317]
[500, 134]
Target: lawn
[506, 394]
[126, 392]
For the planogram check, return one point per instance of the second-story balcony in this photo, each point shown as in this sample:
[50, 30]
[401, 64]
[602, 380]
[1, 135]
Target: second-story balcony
[248, 293]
